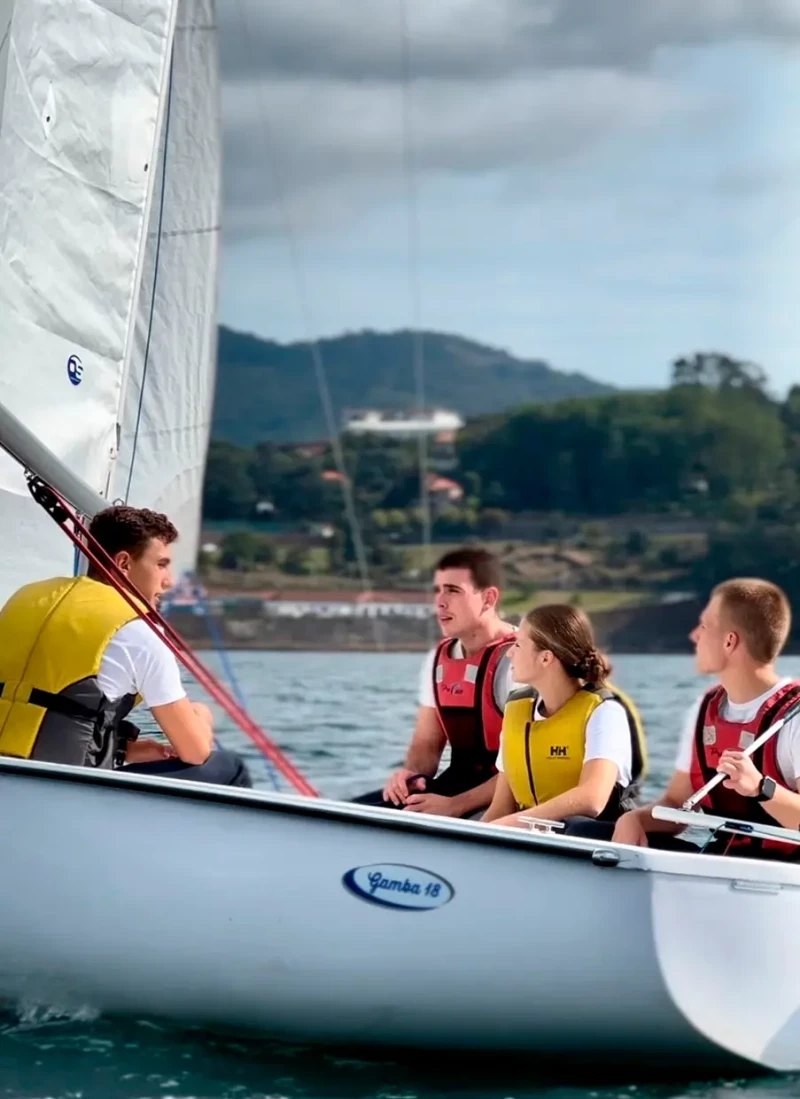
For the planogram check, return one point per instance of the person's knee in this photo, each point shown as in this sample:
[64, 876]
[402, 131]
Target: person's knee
[225, 768]
[588, 828]
[374, 798]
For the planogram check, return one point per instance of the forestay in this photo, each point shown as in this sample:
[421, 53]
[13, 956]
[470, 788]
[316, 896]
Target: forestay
[170, 392]
[81, 108]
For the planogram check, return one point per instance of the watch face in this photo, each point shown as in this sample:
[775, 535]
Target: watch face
[768, 787]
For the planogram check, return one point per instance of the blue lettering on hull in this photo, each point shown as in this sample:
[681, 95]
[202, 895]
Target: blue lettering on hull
[394, 885]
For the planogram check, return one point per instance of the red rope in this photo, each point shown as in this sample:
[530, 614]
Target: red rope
[171, 638]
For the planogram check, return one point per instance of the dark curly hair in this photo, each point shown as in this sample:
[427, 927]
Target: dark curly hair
[122, 528]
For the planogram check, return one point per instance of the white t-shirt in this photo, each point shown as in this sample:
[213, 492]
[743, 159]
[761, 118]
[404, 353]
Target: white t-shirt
[788, 738]
[504, 682]
[137, 661]
[608, 736]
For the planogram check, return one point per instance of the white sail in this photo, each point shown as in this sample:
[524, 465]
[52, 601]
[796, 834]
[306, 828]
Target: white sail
[82, 102]
[6, 9]
[170, 390]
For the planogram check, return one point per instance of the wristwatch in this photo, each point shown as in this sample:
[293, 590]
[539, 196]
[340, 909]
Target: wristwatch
[766, 789]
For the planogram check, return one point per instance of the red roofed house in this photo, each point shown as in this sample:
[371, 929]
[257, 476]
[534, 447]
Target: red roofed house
[443, 493]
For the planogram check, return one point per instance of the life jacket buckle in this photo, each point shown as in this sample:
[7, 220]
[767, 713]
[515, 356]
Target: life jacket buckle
[16, 692]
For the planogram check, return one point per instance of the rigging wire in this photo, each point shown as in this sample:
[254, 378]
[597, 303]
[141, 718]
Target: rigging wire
[6, 36]
[417, 339]
[320, 373]
[218, 641]
[64, 515]
[216, 638]
[156, 269]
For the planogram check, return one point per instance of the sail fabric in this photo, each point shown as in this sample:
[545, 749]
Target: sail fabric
[82, 103]
[6, 9]
[169, 394]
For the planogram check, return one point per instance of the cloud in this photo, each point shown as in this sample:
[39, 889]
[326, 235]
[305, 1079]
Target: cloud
[336, 138]
[361, 40]
[505, 89]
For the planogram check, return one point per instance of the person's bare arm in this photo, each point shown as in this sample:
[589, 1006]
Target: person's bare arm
[633, 827]
[784, 807]
[455, 805]
[587, 799]
[148, 751]
[745, 778]
[188, 726]
[503, 802]
[423, 755]
[479, 797]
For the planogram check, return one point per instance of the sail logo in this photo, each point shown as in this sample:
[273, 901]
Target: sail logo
[75, 370]
[395, 885]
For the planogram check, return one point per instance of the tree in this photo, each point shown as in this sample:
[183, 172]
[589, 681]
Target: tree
[637, 543]
[631, 452]
[718, 371]
[239, 549]
[264, 552]
[297, 561]
[491, 520]
[772, 553]
[229, 492]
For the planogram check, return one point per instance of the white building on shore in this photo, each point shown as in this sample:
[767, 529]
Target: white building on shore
[311, 604]
[403, 425]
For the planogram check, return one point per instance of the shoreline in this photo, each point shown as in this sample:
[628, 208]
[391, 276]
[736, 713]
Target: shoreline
[640, 629]
[366, 649]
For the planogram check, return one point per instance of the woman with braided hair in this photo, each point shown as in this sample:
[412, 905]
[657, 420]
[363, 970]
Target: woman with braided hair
[572, 745]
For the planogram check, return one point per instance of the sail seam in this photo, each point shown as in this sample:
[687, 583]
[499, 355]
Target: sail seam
[66, 170]
[190, 232]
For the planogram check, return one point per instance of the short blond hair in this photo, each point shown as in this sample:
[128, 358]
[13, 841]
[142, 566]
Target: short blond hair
[760, 612]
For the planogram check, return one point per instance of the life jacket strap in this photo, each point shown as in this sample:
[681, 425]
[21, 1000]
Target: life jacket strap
[57, 703]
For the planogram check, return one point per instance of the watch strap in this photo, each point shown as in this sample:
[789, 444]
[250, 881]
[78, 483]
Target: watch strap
[766, 789]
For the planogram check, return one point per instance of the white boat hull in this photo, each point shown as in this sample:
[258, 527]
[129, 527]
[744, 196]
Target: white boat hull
[252, 911]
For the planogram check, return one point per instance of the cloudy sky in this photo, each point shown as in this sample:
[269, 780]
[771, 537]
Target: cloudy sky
[606, 184]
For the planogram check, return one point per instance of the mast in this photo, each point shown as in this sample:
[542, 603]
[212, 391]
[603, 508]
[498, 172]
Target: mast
[168, 399]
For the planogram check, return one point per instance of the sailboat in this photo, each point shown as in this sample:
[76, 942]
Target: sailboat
[301, 918]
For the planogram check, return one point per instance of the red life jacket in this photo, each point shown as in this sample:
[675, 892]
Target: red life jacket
[463, 691]
[714, 735]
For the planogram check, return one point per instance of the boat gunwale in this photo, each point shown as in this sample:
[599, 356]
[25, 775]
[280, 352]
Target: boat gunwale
[728, 868]
[294, 804]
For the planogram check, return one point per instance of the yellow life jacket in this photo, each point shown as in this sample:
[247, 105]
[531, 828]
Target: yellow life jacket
[53, 634]
[544, 758]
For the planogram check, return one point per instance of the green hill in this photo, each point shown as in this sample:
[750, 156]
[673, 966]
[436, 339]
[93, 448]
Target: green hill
[269, 391]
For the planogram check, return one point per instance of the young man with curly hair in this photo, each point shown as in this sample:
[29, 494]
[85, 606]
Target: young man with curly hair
[75, 658]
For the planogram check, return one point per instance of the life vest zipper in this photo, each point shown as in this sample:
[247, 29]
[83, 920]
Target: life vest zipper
[528, 761]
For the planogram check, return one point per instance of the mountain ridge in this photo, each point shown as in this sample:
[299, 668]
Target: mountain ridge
[268, 391]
